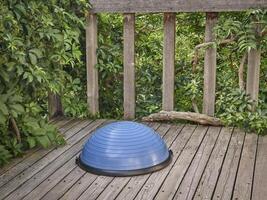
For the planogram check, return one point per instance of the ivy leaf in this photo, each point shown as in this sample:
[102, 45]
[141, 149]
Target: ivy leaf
[31, 141]
[33, 58]
[37, 52]
[44, 141]
[18, 108]
[4, 108]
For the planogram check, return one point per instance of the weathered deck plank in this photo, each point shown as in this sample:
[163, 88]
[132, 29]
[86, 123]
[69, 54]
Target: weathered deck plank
[260, 177]
[176, 174]
[153, 183]
[207, 164]
[34, 157]
[225, 184]
[210, 176]
[50, 162]
[190, 181]
[58, 122]
[136, 183]
[243, 185]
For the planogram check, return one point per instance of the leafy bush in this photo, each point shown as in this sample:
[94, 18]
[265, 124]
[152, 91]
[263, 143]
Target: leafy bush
[39, 47]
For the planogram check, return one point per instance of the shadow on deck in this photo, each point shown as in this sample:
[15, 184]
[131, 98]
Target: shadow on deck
[208, 163]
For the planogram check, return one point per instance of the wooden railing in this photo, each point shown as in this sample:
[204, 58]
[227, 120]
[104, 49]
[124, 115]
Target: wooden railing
[168, 66]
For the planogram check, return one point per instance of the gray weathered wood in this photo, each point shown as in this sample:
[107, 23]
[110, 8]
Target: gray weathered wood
[210, 176]
[91, 61]
[38, 192]
[129, 66]
[59, 123]
[54, 105]
[190, 181]
[66, 183]
[253, 74]
[176, 174]
[33, 158]
[18, 187]
[244, 180]
[168, 61]
[153, 183]
[260, 175]
[144, 6]
[226, 181]
[210, 66]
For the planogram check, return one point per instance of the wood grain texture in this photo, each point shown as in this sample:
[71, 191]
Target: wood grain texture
[168, 61]
[54, 105]
[210, 66]
[176, 174]
[129, 66]
[136, 183]
[144, 6]
[206, 165]
[253, 74]
[153, 183]
[35, 157]
[244, 180]
[190, 182]
[260, 175]
[91, 61]
[210, 176]
[19, 186]
[226, 181]
[59, 122]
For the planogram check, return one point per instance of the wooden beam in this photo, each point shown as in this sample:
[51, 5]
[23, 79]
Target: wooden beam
[54, 105]
[210, 66]
[168, 61]
[152, 6]
[128, 64]
[253, 75]
[91, 61]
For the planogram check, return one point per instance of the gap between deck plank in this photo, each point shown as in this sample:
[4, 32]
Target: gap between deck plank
[226, 181]
[30, 160]
[198, 165]
[47, 160]
[152, 184]
[176, 174]
[243, 184]
[28, 153]
[260, 176]
[210, 176]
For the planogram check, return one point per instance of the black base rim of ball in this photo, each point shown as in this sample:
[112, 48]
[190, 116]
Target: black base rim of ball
[124, 173]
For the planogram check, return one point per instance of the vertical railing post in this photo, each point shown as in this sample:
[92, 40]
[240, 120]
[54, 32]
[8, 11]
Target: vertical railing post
[54, 105]
[253, 75]
[129, 66]
[210, 66]
[168, 62]
[91, 61]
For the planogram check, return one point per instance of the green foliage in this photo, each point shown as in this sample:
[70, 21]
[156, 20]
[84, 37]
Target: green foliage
[235, 109]
[42, 48]
[39, 47]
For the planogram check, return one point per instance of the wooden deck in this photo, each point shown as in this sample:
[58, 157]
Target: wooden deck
[208, 163]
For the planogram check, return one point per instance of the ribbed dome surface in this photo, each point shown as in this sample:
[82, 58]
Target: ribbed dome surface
[124, 148]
